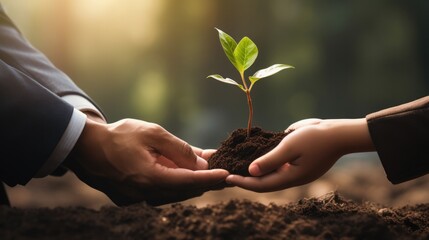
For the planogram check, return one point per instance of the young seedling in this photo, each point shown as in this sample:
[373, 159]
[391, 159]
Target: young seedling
[242, 56]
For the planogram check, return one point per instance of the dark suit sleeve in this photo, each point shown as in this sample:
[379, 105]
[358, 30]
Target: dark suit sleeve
[30, 86]
[33, 119]
[401, 138]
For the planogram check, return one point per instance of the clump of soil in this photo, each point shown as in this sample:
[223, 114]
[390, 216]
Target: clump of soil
[328, 217]
[237, 152]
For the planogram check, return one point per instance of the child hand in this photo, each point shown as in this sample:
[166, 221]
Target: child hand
[305, 154]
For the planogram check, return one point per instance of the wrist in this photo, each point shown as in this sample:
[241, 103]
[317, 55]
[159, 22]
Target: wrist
[88, 146]
[353, 135]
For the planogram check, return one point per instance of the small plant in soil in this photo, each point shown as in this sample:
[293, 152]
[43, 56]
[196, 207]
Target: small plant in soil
[242, 56]
[242, 147]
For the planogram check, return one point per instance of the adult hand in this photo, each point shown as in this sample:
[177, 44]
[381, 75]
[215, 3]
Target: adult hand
[310, 150]
[133, 161]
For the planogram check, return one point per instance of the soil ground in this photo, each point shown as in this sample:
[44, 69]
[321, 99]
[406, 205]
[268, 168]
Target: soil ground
[366, 206]
[328, 217]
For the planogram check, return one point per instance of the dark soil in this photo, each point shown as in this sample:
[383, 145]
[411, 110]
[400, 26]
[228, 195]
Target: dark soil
[237, 152]
[327, 217]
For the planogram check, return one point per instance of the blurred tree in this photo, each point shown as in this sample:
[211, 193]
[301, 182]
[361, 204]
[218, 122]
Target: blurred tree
[417, 11]
[149, 59]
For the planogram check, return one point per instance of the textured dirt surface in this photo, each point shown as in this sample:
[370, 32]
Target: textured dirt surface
[328, 217]
[237, 152]
[76, 211]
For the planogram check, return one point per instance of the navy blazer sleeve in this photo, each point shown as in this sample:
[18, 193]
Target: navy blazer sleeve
[32, 121]
[33, 117]
[401, 137]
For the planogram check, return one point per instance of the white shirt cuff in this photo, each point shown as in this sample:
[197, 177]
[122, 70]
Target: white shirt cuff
[65, 145]
[82, 104]
[71, 134]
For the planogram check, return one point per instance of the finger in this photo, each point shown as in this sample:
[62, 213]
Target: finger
[274, 159]
[178, 151]
[207, 153]
[198, 151]
[181, 178]
[166, 162]
[168, 194]
[204, 153]
[285, 177]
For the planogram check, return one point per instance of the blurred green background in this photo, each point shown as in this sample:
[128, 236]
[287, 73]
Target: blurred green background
[149, 59]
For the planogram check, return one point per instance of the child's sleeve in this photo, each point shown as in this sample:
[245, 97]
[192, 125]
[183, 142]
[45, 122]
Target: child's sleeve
[401, 137]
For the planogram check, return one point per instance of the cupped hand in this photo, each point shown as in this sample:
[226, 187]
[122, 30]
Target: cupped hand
[132, 161]
[310, 150]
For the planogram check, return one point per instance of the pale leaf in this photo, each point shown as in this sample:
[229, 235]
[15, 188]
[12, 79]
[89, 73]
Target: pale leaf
[266, 72]
[226, 80]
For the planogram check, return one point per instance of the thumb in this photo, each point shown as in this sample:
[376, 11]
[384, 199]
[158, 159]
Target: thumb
[273, 160]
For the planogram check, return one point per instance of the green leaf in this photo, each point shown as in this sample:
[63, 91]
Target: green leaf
[226, 80]
[245, 54]
[228, 44]
[266, 72]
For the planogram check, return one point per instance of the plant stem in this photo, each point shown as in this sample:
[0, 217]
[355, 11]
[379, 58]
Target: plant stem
[249, 103]
[249, 122]
[244, 82]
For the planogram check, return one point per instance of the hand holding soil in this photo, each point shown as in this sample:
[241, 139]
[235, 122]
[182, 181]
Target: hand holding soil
[239, 150]
[132, 161]
[308, 152]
